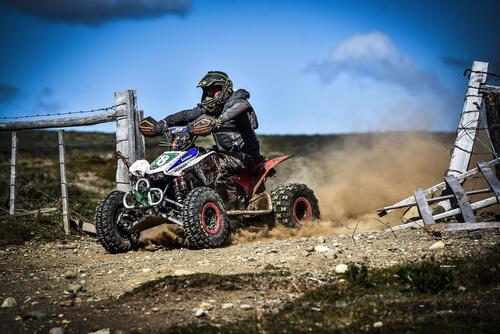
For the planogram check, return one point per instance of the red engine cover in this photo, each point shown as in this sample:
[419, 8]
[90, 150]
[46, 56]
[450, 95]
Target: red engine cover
[251, 178]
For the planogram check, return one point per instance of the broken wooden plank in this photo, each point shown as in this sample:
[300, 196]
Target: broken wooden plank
[461, 226]
[462, 199]
[414, 224]
[440, 186]
[487, 89]
[419, 223]
[29, 213]
[490, 178]
[87, 227]
[423, 207]
[435, 200]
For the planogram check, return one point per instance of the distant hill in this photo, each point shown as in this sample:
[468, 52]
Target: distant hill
[351, 173]
[43, 143]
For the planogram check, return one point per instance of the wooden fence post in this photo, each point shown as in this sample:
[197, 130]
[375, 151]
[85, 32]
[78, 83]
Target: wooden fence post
[140, 144]
[467, 128]
[13, 157]
[128, 142]
[64, 189]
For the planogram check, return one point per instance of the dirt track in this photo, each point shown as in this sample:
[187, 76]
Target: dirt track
[145, 291]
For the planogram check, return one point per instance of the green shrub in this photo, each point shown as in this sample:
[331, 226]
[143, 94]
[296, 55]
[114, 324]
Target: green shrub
[358, 274]
[425, 276]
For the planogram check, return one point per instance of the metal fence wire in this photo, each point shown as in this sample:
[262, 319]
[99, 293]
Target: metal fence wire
[63, 113]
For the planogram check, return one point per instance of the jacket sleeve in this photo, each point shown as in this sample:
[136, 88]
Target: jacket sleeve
[184, 117]
[239, 107]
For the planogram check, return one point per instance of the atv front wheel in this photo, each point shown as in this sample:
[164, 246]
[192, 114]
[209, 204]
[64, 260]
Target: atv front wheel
[110, 224]
[205, 220]
[294, 205]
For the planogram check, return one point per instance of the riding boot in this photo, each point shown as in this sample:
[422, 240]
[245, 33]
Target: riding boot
[224, 186]
[232, 197]
[221, 190]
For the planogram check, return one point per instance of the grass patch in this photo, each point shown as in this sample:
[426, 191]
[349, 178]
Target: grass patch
[205, 281]
[425, 276]
[358, 274]
[430, 304]
[15, 232]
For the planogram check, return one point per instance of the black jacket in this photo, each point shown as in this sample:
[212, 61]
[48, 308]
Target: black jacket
[236, 135]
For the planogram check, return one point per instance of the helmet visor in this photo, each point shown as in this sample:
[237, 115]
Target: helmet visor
[212, 92]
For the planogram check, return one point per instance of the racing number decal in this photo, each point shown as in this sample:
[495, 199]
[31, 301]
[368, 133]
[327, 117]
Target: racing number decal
[163, 159]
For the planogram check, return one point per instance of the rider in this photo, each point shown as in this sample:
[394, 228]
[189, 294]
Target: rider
[234, 135]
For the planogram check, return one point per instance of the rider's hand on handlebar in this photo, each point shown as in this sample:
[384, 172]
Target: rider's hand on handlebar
[202, 126]
[161, 127]
[149, 127]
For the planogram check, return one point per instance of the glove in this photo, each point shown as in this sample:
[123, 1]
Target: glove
[202, 126]
[149, 127]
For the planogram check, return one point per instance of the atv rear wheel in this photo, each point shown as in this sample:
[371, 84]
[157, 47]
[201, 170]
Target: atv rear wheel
[205, 221]
[294, 205]
[109, 224]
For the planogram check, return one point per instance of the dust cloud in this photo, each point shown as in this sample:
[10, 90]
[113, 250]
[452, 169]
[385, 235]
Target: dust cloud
[358, 175]
[361, 174]
[169, 236]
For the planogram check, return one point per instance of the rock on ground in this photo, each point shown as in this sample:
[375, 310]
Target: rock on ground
[322, 249]
[341, 268]
[56, 330]
[437, 245]
[9, 302]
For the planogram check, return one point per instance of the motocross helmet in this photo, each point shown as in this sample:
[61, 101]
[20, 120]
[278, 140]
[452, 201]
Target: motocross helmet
[217, 88]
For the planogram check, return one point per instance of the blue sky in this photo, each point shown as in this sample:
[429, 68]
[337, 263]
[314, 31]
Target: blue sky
[310, 66]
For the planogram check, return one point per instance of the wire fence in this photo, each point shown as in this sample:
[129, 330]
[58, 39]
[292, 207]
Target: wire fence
[110, 142]
[55, 198]
[37, 190]
[63, 113]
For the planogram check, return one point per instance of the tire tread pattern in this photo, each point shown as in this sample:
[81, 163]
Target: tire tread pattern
[282, 198]
[106, 232]
[191, 216]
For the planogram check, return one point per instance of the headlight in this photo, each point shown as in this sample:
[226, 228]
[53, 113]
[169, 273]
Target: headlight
[139, 168]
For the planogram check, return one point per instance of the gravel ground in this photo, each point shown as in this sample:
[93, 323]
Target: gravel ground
[80, 288]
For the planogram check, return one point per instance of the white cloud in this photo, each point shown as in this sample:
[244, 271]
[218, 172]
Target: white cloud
[373, 45]
[375, 55]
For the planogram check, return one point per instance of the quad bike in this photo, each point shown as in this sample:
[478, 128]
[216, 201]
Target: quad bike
[178, 188]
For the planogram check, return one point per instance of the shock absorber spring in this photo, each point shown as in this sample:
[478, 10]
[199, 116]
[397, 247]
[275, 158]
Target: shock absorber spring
[180, 188]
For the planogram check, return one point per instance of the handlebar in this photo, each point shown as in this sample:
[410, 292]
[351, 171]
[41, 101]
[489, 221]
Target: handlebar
[177, 129]
[178, 138]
